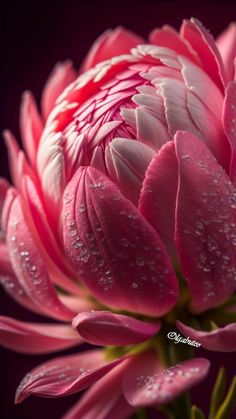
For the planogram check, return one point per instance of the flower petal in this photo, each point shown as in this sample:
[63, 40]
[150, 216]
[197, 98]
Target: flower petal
[205, 224]
[110, 44]
[115, 251]
[203, 43]
[104, 400]
[30, 125]
[65, 375]
[107, 328]
[158, 195]
[222, 339]
[29, 265]
[229, 124]
[35, 338]
[147, 383]
[4, 186]
[62, 75]
[127, 162]
[226, 44]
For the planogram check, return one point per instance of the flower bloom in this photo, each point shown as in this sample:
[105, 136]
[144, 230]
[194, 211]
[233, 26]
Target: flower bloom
[128, 179]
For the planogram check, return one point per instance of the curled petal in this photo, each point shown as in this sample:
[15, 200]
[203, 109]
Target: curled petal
[226, 44]
[115, 251]
[127, 162]
[147, 383]
[222, 339]
[62, 75]
[107, 328]
[65, 375]
[205, 224]
[29, 265]
[35, 338]
[158, 195]
[104, 400]
[229, 124]
[203, 43]
[110, 44]
[31, 125]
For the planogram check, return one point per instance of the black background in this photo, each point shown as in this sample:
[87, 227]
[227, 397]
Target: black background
[35, 35]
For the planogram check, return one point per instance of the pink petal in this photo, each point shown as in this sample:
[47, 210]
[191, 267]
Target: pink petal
[226, 44]
[65, 375]
[55, 260]
[107, 328]
[147, 383]
[4, 186]
[222, 339]
[30, 125]
[229, 124]
[29, 265]
[158, 196]
[62, 75]
[203, 43]
[13, 151]
[115, 251]
[111, 43]
[9, 198]
[11, 284]
[169, 38]
[206, 220]
[104, 400]
[35, 338]
[127, 162]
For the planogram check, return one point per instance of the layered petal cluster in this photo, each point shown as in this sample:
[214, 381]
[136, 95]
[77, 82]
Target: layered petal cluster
[126, 183]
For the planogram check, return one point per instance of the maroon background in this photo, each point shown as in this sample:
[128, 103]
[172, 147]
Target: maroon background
[35, 36]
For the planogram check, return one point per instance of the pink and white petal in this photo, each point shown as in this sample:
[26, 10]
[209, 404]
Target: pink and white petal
[146, 382]
[4, 186]
[35, 338]
[203, 43]
[115, 251]
[54, 259]
[222, 339]
[169, 38]
[127, 162]
[104, 400]
[62, 75]
[107, 328]
[65, 375]
[30, 125]
[229, 124]
[9, 198]
[150, 130]
[111, 43]
[226, 44]
[205, 224]
[29, 265]
[158, 195]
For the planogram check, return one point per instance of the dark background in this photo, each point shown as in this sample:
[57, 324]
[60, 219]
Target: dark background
[35, 35]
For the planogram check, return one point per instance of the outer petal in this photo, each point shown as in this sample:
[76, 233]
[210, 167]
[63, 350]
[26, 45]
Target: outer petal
[203, 43]
[117, 253]
[104, 400]
[146, 383]
[169, 38]
[206, 224]
[226, 44]
[222, 339]
[29, 265]
[110, 44]
[229, 124]
[3, 191]
[107, 328]
[158, 196]
[31, 125]
[62, 75]
[127, 162]
[65, 375]
[34, 338]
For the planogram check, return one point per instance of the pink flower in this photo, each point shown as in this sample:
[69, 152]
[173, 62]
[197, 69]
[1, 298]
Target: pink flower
[128, 179]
